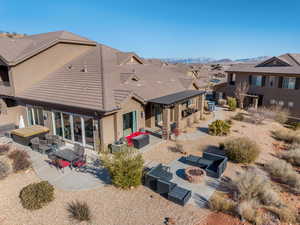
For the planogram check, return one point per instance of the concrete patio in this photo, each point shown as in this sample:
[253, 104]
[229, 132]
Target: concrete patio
[201, 192]
[70, 180]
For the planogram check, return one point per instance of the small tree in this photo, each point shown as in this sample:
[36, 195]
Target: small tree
[125, 168]
[232, 104]
[240, 92]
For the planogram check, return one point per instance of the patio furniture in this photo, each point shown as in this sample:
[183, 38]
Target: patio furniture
[67, 155]
[140, 141]
[58, 141]
[5, 130]
[164, 187]
[35, 144]
[194, 174]
[63, 164]
[49, 138]
[213, 164]
[24, 135]
[159, 172]
[179, 195]
[40, 145]
[134, 134]
[79, 149]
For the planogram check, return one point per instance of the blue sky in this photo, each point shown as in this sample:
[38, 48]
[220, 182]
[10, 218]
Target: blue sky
[167, 28]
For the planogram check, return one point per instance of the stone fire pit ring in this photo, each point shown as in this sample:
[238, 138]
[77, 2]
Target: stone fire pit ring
[194, 174]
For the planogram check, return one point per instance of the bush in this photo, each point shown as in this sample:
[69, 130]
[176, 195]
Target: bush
[285, 215]
[292, 156]
[239, 117]
[281, 115]
[241, 150]
[295, 125]
[252, 185]
[288, 136]
[221, 204]
[36, 195]
[4, 149]
[249, 211]
[285, 173]
[125, 168]
[259, 115]
[219, 128]
[232, 104]
[4, 169]
[20, 160]
[79, 211]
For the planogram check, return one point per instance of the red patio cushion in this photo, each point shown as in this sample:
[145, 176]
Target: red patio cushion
[63, 163]
[134, 134]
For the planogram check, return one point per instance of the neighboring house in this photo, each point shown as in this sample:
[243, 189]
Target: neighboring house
[276, 81]
[90, 93]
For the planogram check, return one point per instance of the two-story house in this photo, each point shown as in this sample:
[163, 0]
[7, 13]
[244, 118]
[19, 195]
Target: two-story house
[90, 93]
[276, 81]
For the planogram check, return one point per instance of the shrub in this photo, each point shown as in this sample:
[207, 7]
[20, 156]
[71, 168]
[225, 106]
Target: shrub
[295, 125]
[281, 115]
[285, 215]
[241, 150]
[219, 128]
[292, 156]
[221, 204]
[36, 195]
[285, 173]
[20, 160]
[4, 169]
[249, 211]
[252, 185]
[239, 117]
[259, 115]
[288, 136]
[4, 149]
[125, 168]
[79, 211]
[232, 104]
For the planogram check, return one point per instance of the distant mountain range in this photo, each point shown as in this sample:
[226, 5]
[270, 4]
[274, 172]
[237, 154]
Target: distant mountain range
[206, 60]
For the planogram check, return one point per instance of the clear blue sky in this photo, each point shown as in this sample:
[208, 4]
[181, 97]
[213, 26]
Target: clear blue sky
[167, 28]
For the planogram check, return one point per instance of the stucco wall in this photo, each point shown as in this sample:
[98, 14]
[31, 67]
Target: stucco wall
[38, 67]
[270, 93]
[13, 115]
[107, 129]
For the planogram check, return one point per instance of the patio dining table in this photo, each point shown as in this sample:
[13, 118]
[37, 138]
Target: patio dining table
[67, 154]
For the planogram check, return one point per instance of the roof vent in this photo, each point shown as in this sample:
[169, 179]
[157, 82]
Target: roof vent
[84, 69]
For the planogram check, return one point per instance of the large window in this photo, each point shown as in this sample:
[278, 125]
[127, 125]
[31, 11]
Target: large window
[232, 78]
[88, 127]
[67, 126]
[58, 124]
[271, 81]
[257, 80]
[77, 129]
[289, 82]
[35, 116]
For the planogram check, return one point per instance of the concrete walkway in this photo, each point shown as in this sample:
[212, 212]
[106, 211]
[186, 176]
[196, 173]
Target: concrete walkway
[67, 179]
[203, 130]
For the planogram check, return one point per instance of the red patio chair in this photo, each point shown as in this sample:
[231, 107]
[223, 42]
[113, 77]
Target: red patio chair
[63, 163]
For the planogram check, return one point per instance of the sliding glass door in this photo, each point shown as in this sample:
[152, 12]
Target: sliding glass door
[58, 130]
[35, 116]
[89, 131]
[67, 126]
[77, 129]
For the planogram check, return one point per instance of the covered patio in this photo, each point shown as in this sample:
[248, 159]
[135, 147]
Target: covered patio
[175, 111]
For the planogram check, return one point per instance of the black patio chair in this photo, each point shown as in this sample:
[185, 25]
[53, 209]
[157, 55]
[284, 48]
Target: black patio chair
[164, 187]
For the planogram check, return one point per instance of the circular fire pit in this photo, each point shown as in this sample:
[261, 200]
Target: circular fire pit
[194, 174]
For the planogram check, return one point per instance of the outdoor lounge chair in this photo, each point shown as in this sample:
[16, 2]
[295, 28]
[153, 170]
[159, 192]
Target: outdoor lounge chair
[159, 172]
[140, 141]
[63, 164]
[179, 195]
[164, 187]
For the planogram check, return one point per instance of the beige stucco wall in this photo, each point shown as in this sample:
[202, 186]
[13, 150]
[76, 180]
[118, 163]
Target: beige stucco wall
[13, 115]
[107, 129]
[38, 67]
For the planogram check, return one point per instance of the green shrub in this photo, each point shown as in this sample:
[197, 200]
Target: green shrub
[219, 128]
[232, 103]
[36, 195]
[20, 160]
[125, 168]
[239, 117]
[79, 211]
[221, 204]
[292, 156]
[288, 136]
[285, 173]
[241, 150]
[4, 169]
[4, 149]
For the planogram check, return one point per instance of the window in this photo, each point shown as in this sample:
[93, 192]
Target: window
[232, 78]
[257, 80]
[35, 116]
[291, 104]
[289, 82]
[271, 81]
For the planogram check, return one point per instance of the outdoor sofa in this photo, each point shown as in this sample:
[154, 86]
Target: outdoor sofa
[158, 180]
[213, 164]
[140, 141]
[6, 129]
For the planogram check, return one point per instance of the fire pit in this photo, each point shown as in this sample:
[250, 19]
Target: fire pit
[194, 174]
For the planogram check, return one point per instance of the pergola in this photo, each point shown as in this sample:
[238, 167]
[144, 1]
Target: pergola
[176, 100]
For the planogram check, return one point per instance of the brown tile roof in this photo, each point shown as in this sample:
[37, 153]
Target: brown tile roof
[96, 80]
[15, 50]
[292, 67]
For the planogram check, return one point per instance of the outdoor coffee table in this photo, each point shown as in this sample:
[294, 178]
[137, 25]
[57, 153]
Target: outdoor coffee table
[204, 163]
[179, 195]
[67, 154]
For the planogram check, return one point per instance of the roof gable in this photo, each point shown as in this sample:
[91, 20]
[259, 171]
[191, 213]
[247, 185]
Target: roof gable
[274, 61]
[128, 58]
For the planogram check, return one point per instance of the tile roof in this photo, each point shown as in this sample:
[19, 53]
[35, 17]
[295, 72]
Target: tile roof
[292, 66]
[15, 50]
[95, 80]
